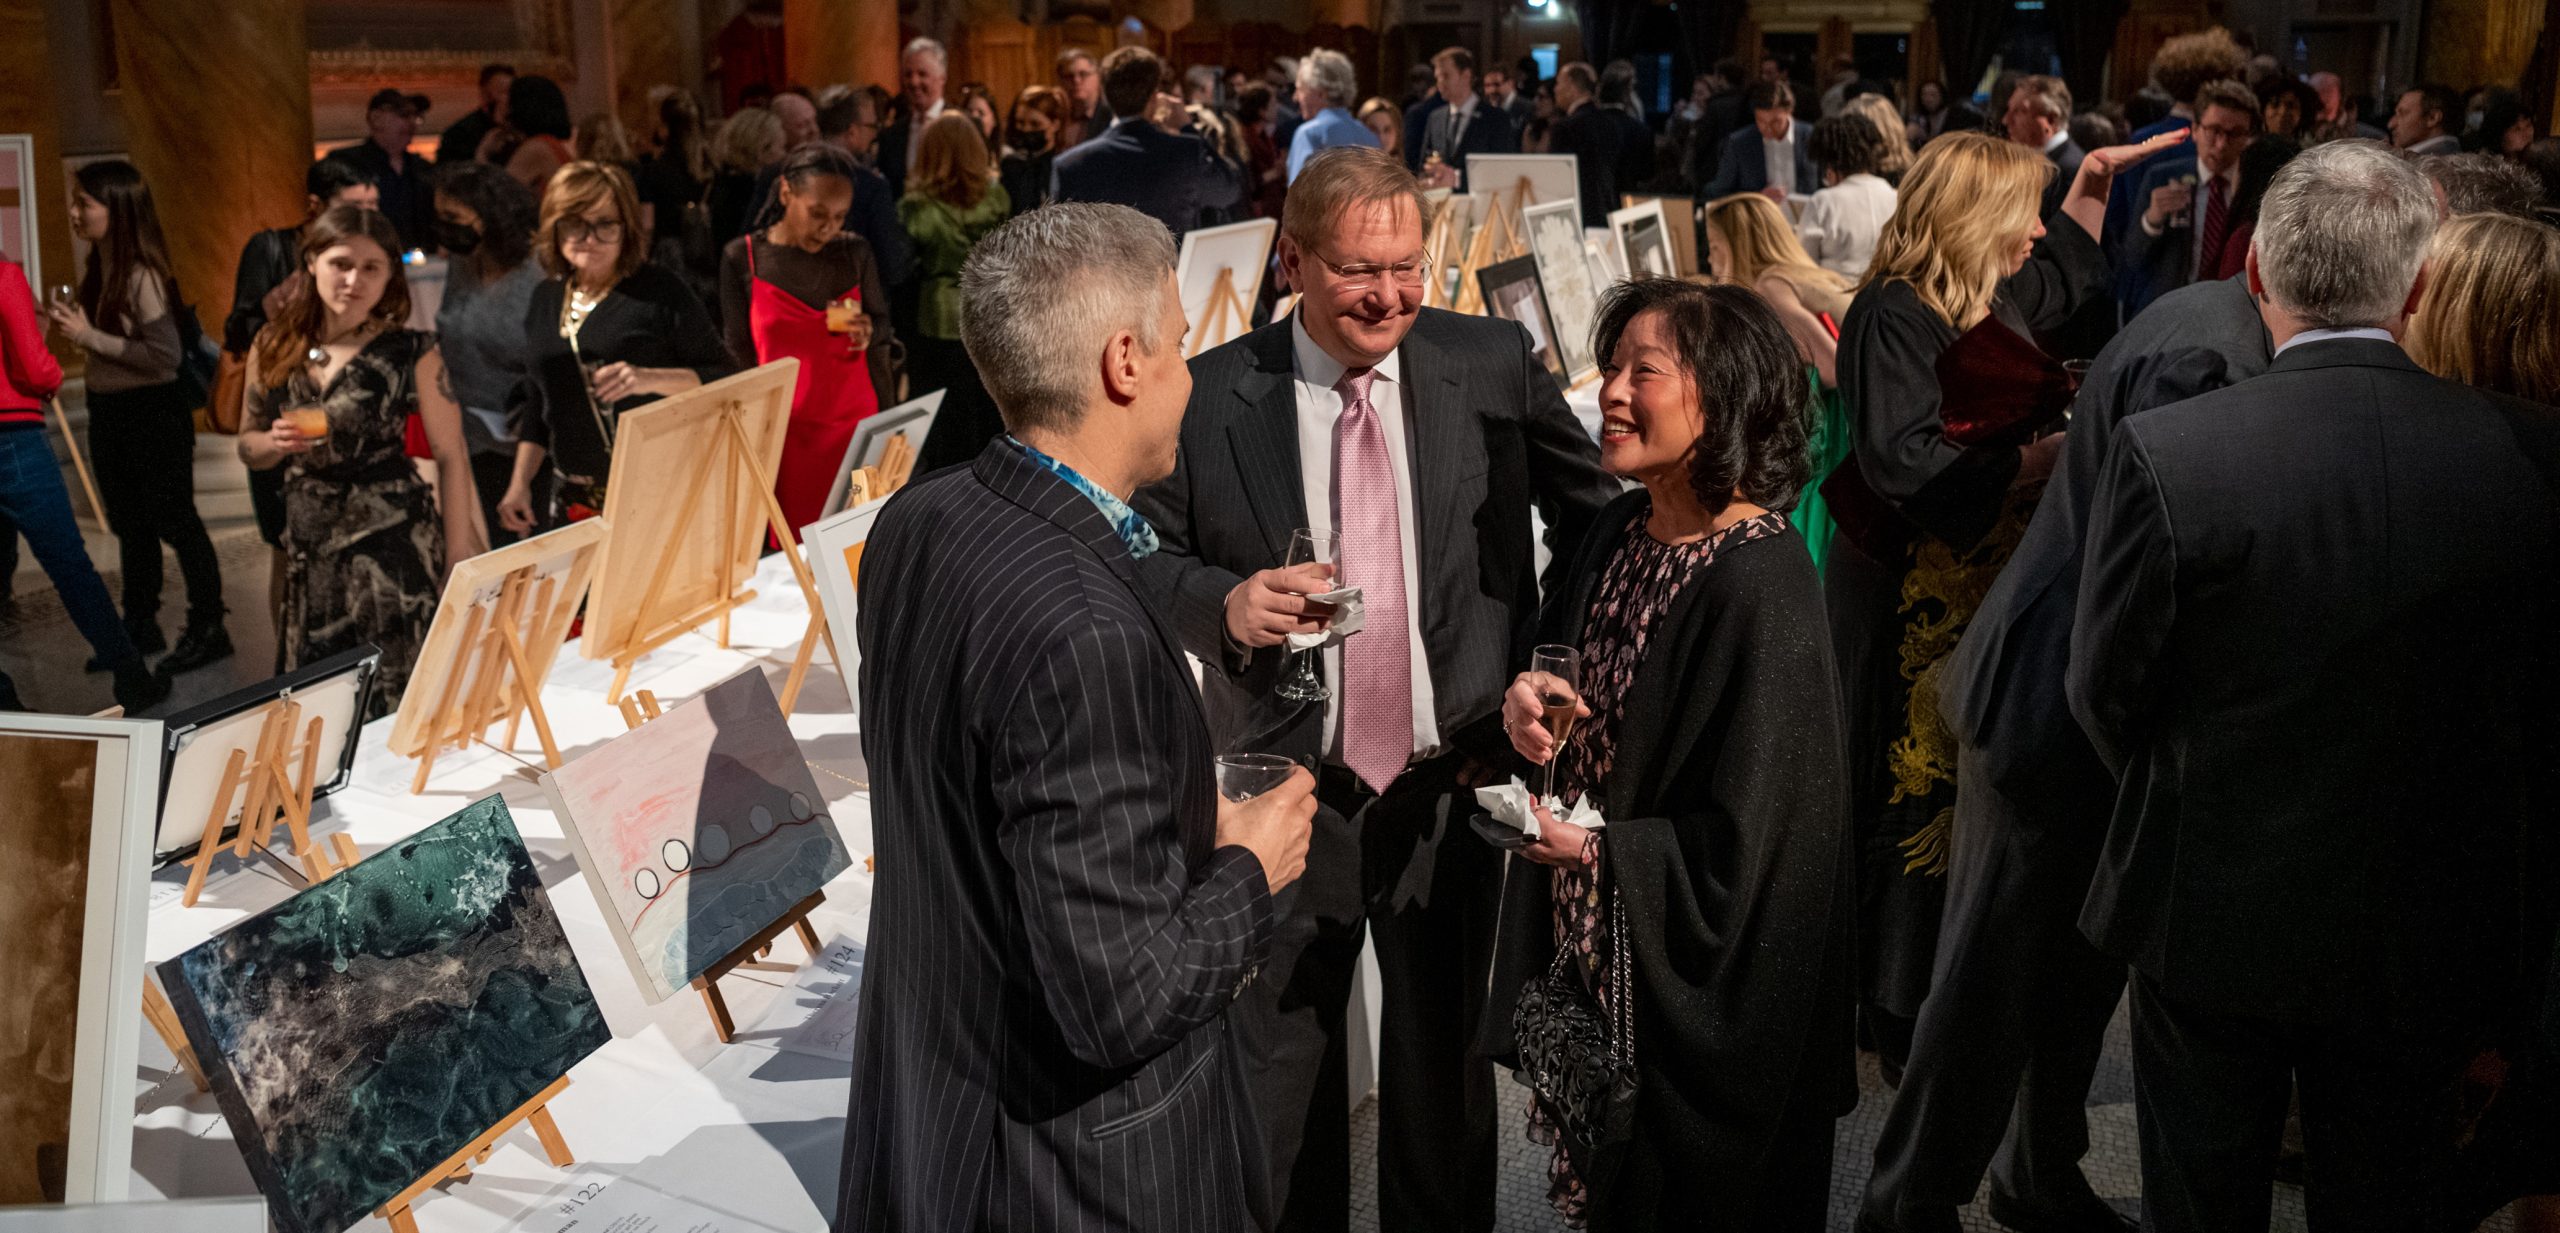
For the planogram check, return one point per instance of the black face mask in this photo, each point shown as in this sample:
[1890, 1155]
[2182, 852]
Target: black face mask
[456, 238]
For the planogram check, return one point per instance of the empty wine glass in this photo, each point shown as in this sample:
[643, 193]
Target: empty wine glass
[1299, 679]
[1244, 776]
[1558, 698]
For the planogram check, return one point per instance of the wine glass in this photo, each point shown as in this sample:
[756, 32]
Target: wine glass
[1299, 679]
[1561, 695]
[1244, 776]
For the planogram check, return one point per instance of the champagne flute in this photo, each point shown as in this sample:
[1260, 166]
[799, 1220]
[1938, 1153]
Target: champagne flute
[1244, 776]
[1300, 680]
[1559, 696]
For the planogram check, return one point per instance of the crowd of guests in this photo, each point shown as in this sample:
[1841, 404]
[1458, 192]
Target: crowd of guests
[2044, 544]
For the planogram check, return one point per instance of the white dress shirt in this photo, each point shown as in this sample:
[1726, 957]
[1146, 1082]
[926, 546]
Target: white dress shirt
[2055, 142]
[2376, 333]
[915, 133]
[1842, 223]
[1460, 115]
[2229, 178]
[1778, 158]
[1320, 404]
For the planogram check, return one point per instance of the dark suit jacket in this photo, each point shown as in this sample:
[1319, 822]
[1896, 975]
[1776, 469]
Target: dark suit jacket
[1743, 167]
[892, 149]
[1417, 122]
[1170, 177]
[2001, 690]
[2150, 266]
[2066, 168]
[1044, 1042]
[1489, 436]
[1592, 136]
[1723, 114]
[1489, 131]
[2315, 638]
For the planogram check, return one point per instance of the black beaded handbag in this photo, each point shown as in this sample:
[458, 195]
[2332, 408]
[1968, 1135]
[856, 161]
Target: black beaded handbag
[1578, 1060]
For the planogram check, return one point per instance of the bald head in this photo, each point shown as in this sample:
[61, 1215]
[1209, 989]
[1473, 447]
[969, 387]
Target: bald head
[799, 119]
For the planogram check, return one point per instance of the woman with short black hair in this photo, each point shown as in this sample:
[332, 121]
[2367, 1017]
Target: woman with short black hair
[1715, 908]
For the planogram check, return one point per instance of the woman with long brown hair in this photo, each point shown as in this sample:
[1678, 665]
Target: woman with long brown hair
[141, 428]
[1934, 494]
[952, 201]
[333, 380]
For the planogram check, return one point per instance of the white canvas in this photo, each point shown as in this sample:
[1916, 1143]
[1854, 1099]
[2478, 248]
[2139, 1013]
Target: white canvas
[1600, 252]
[199, 755]
[1552, 178]
[1564, 269]
[834, 547]
[913, 417]
[102, 1030]
[1243, 252]
[1642, 234]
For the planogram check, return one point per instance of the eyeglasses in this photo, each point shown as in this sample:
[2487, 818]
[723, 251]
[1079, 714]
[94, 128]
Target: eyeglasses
[1362, 276]
[574, 230]
[2228, 133]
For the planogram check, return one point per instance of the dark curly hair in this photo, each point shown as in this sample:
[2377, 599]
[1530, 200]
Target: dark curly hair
[507, 209]
[1751, 386]
[1847, 143]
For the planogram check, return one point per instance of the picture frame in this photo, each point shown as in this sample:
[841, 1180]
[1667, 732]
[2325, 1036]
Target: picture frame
[72, 926]
[198, 741]
[1552, 178]
[835, 555]
[1513, 292]
[1219, 271]
[20, 241]
[1680, 222]
[1642, 234]
[1600, 252]
[1564, 269]
[913, 417]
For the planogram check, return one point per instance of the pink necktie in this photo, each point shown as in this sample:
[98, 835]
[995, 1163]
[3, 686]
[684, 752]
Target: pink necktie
[1377, 663]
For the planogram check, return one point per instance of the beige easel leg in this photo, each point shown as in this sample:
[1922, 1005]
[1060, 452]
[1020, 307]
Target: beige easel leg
[211, 845]
[781, 529]
[163, 1019]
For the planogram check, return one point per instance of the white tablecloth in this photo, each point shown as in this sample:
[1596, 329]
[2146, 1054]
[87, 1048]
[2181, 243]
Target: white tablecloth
[749, 1132]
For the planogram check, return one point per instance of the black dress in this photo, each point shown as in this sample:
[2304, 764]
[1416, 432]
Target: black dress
[649, 320]
[1715, 756]
[1897, 610]
[363, 543]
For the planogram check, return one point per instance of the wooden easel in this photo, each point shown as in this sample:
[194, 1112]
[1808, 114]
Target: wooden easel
[1499, 239]
[638, 709]
[163, 1019]
[79, 464]
[457, 1167]
[897, 462]
[504, 686]
[1436, 256]
[739, 455]
[1226, 306]
[278, 777]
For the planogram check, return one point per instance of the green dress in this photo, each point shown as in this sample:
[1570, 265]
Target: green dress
[1826, 443]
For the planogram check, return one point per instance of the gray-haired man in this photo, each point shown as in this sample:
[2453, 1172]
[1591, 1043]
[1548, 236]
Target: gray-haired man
[1069, 907]
[2314, 642]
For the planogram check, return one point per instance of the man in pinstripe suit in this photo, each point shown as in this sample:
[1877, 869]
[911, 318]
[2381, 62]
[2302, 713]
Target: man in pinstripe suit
[1066, 908]
[1424, 438]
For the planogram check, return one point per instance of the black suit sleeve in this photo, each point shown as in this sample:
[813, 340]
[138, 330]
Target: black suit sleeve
[2128, 601]
[250, 284]
[1888, 367]
[1190, 588]
[1728, 164]
[2066, 271]
[1131, 952]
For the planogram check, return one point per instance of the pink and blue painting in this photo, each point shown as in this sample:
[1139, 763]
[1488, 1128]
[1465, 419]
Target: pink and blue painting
[698, 829]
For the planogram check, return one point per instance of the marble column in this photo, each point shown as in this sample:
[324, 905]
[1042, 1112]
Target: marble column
[217, 114]
[645, 48]
[27, 105]
[851, 41]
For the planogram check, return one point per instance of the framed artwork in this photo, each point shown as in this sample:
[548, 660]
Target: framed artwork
[1220, 273]
[360, 1033]
[1680, 224]
[835, 555]
[19, 200]
[82, 796]
[458, 650]
[200, 741]
[1642, 234]
[1513, 293]
[1600, 252]
[1564, 269]
[914, 417]
[1552, 178]
[192, 1215]
[697, 829]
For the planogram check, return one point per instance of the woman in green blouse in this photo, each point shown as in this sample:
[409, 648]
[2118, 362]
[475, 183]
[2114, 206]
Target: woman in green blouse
[952, 201]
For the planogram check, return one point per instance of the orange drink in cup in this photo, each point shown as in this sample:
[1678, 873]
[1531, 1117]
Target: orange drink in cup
[312, 422]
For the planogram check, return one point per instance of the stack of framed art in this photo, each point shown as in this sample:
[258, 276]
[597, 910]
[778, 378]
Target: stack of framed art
[82, 796]
[703, 835]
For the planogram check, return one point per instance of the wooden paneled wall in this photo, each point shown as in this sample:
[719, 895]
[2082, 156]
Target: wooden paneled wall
[1008, 55]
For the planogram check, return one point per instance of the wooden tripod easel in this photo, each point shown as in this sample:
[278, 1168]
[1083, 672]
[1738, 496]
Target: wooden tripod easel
[740, 459]
[163, 1019]
[278, 777]
[79, 464]
[457, 1167]
[1226, 309]
[1436, 256]
[1500, 239]
[640, 709]
[897, 462]
[504, 685]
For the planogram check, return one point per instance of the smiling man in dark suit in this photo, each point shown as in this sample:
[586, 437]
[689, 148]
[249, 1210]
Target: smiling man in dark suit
[1069, 907]
[1769, 152]
[1423, 438]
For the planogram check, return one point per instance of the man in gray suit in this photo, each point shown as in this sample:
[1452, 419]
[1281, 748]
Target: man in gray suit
[1423, 438]
[1068, 906]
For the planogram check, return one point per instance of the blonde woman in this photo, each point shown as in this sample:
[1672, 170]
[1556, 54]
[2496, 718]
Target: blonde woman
[952, 202]
[747, 142]
[2490, 316]
[1750, 243]
[1935, 491]
[1897, 139]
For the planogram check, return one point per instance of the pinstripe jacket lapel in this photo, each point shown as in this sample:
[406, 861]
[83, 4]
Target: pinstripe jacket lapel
[1004, 469]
